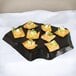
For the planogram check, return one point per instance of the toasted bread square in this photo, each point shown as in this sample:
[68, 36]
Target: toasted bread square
[32, 34]
[30, 25]
[52, 46]
[18, 33]
[46, 28]
[29, 44]
[62, 32]
[48, 36]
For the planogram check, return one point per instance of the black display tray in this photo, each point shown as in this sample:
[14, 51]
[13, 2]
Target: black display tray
[41, 51]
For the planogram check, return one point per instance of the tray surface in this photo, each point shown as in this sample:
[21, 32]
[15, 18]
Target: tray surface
[41, 50]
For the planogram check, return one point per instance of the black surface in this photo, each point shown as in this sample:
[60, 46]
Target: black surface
[41, 51]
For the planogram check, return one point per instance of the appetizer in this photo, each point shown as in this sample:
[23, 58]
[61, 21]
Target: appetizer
[52, 46]
[30, 25]
[48, 36]
[29, 44]
[46, 28]
[32, 34]
[62, 32]
[18, 33]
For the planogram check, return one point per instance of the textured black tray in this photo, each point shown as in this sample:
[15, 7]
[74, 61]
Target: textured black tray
[41, 51]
